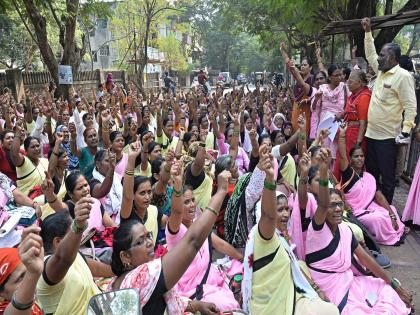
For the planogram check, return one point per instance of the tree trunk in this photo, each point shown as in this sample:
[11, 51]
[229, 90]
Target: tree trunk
[388, 6]
[416, 30]
[40, 26]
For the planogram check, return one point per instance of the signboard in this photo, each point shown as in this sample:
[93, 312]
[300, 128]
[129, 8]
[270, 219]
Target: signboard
[65, 75]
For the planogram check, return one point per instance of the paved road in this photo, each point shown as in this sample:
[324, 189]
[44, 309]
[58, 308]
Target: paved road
[406, 258]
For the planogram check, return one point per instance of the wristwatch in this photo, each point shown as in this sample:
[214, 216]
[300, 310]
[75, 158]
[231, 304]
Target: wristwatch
[76, 229]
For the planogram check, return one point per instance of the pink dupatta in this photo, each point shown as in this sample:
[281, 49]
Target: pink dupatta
[362, 193]
[336, 282]
[297, 234]
[144, 279]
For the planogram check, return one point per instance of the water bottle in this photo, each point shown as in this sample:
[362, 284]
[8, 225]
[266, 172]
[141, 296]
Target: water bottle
[236, 287]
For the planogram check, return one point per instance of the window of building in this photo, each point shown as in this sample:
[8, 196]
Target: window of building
[104, 50]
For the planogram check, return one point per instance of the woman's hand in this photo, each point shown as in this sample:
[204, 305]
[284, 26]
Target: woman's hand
[177, 174]
[31, 250]
[343, 129]
[405, 296]
[301, 122]
[366, 25]
[112, 158]
[318, 95]
[206, 308]
[134, 150]
[58, 138]
[304, 165]
[266, 162]
[393, 220]
[324, 159]
[146, 140]
[223, 181]
[47, 187]
[72, 129]
[82, 211]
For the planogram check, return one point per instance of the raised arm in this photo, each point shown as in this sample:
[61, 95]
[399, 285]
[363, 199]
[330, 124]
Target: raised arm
[319, 61]
[353, 56]
[323, 195]
[180, 144]
[15, 155]
[177, 203]
[370, 50]
[31, 253]
[304, 166]
[146, 140]
[106, 117]
[75, 150]
[298, 77]
[177, 260]
[163, 181]
[267, 224]
[234, 143]
[128, 194]
[47, 187]
[197, 165]
[52, 164]
[60, 262]
[342, 151]
[100, 190]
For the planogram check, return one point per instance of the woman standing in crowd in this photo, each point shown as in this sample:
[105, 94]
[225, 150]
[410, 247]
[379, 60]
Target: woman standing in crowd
[411, 212]
[355, 114]
[301, 102]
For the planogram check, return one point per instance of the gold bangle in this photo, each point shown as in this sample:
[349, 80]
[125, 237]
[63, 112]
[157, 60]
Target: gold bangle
[212, 210]
[129, 173]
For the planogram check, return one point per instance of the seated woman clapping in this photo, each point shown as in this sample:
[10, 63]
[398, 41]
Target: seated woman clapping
[330, 251]
[269, 261]
[134, 264]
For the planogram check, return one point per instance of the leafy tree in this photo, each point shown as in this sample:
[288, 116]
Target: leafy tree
[47, 20]
[301, 21]
[16, 47]
[174, 57]
[138, 23]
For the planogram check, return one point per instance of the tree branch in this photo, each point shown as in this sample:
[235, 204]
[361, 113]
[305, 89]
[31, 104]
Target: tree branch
[24, 22]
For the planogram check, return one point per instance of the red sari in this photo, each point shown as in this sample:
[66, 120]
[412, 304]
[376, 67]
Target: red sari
[356, 109]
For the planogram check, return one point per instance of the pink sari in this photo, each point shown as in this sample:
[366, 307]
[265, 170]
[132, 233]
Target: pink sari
[412, 207]
[144, 279]
[374, 217]
[215, 289]
[297, 233]
[121, 165]
[329, 258]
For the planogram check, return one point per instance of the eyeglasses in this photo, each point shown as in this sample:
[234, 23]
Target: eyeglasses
[143, 239]
[334, 205]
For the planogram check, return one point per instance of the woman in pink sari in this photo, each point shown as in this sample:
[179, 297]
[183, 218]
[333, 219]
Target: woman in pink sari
[202, 280]
[412, 207]
[330, 250]
[134, 265]
[368, 203]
